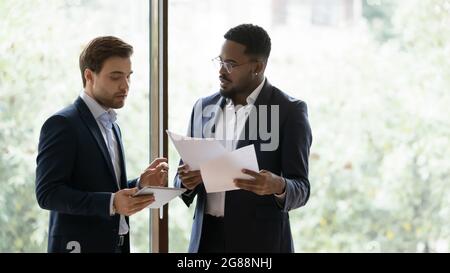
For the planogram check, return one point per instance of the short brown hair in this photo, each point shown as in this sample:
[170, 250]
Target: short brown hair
[100, 49]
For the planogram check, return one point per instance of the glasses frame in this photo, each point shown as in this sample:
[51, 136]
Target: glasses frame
[228, 66]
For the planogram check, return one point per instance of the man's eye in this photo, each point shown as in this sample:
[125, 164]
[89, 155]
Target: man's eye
[115, 78]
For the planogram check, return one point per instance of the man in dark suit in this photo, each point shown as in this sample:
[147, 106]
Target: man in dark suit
[254, 218]
[80, 175]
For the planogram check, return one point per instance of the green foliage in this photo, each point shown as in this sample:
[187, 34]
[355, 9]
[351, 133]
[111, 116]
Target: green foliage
[24, 91]
[380, 179]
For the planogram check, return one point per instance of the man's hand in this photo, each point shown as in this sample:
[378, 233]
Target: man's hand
[155, 174]
[190, 179]
[126, 204]
[263, 183]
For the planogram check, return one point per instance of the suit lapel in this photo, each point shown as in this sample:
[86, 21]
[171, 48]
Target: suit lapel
[92, 125]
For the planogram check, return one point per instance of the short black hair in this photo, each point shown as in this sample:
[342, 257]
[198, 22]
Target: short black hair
[253, 37]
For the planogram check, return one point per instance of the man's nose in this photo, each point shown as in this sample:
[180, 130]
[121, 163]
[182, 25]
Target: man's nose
[222, 69]
[125, 85]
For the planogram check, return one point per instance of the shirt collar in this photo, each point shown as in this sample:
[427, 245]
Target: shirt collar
[96, 109]
[252, 97]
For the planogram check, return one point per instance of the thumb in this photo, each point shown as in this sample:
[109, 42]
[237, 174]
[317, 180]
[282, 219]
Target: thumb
[129, 192]
[164, 165]
[161, 167]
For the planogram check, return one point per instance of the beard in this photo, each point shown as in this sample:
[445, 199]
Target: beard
[109, 101]
[229, 93]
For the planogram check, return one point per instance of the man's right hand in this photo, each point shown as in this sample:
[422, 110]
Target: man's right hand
[126, 204]
[190, 179]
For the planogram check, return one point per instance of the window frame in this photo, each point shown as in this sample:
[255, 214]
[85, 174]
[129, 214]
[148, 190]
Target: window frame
[158, 113]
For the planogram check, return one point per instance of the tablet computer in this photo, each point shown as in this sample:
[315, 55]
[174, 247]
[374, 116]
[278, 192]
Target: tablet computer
[163, 195]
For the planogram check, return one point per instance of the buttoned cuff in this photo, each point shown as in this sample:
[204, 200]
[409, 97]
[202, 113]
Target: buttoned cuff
[283, 195]
[138, 183]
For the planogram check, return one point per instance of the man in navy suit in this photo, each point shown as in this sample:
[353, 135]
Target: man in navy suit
[254, 218]
[80, 175]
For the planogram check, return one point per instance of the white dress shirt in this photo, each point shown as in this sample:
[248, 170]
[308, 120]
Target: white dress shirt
[230, 124]
[97, 110]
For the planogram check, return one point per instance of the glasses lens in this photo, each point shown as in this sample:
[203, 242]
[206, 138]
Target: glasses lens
[218, 64]
[227, 67]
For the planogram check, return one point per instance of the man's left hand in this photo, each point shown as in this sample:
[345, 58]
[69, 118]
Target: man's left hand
[155, 174]
[263, 183]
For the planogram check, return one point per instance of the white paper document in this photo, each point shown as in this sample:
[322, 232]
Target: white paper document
[218, 166]
[195, 151]
[218, 174]
[162, 195]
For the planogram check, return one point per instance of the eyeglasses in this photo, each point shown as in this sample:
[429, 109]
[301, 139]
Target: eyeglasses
[228, 66]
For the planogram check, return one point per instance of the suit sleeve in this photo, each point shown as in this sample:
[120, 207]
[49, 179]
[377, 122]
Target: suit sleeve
[295, 145]
[55, 165]
[133, 183]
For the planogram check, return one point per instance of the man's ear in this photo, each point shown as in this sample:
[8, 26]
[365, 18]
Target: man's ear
[259, 67]
[88, 76]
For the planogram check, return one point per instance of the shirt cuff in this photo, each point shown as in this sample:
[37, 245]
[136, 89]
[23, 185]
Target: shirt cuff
[112, 211]
[138, 183]
[283, 195]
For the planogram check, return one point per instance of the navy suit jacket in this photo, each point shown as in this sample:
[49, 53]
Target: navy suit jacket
[255, 223]
[75, 179]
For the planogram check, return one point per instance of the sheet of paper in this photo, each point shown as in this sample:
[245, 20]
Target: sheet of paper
[195, 151]
[162, 195]
[218, 174]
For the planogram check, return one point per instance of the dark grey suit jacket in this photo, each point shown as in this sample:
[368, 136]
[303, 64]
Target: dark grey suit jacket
[256, 223]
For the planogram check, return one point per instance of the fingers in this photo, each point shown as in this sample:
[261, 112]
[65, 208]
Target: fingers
[142, 198]
[155, 179]
[128, 192]
[249, 185]
[155, 176]
[191, 183]
[137, 204]
[159, 167]
[184, 171]
[192, 179]
[189, 175]
[163, 178]
[152, 172]
[240, 183]
[138, 208]
[163, 166]
[130, 198]
[183, 168]
[157, 161]
[142, 204]
[251, 173]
